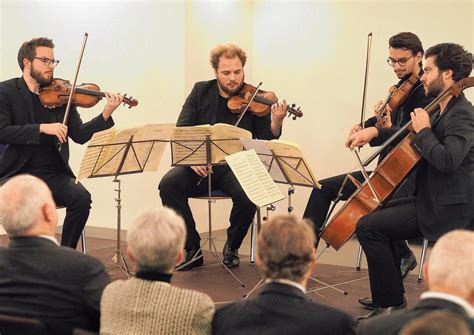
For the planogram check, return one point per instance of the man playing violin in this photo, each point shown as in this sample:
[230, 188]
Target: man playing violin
[207, 104]
[32, 133]
[405, 55]
[444, 195]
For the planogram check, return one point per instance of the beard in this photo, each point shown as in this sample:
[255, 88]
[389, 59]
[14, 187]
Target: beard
[435, 88]
[41, 79]
[228, 90]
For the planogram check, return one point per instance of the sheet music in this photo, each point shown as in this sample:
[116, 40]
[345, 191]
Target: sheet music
[291, 168]
[189, 147]
[254, 178]
[106, 149]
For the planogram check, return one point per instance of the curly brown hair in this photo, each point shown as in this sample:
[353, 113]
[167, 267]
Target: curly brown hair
[228, 51]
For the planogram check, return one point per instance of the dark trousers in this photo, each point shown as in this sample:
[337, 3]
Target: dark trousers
[181, 183]
[320, 200]
[76, 199]
[377, 234]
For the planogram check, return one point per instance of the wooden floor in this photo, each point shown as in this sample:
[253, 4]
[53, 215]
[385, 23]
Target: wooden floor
[222, 287]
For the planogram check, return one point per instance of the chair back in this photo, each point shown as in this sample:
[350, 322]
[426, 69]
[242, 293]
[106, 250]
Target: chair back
[18, 325]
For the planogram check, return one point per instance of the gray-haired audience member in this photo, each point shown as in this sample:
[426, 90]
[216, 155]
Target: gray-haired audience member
[148, 304]
[451, 287]
[437, 323]
[286, 258]
[39, 279]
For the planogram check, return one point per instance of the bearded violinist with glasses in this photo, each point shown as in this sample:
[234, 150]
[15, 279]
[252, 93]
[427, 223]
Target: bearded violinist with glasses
[32, 133]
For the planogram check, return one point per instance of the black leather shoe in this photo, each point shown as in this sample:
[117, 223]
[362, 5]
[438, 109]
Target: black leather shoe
[367, 302]
[382, 311]
[407, 264]
[189, 263]
[231, 257]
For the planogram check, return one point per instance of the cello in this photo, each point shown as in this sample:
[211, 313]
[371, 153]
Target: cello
[386, 177]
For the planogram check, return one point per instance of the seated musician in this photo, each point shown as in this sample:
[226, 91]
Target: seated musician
[33, 131]
[207, 104]
[405, 56]
[444, 195]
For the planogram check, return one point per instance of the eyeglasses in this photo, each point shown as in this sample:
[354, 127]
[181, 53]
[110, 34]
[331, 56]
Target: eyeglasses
[48, 62]
[401, 61]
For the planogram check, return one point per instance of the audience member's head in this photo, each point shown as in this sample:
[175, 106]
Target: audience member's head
[451, 263]
[286, 249]
[156, 240]
[436, 323]
[27, 207]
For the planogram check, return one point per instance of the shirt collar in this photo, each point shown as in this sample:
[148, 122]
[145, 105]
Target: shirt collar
[451, 298]
[51, 238]
[287, 282]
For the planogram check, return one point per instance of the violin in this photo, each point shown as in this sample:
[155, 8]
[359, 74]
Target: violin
[86, 95]
[396, 97]
[261, 103]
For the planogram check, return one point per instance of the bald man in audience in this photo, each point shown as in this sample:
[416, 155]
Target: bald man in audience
[40, 279]
[450, 286]
[286, 257]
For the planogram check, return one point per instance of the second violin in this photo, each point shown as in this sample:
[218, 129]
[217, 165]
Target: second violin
[261, 103]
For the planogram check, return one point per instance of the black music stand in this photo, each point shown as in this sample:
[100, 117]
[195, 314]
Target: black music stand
[123, 159]
[290, 170]
[203, 150]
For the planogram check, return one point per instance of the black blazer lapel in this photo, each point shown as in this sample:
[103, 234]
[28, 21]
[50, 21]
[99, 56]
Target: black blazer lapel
[25, 94]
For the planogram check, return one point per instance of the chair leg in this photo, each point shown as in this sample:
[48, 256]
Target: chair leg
[422, 260]
[83, 241]
[359, 258]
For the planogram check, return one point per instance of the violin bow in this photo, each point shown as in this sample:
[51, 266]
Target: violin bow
[366, 79]
[73, 87]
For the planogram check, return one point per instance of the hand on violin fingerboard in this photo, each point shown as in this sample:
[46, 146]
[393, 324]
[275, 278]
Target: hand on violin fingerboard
[279, 111]
[361, 137]
[113, 101]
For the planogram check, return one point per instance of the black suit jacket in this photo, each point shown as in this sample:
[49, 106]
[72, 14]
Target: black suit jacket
[392, 323]
[201, 107]
[19, 129]
[57, 285]
[445, 175]
[280, 309]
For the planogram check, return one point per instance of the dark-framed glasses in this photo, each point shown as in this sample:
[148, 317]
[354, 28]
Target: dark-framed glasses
[48, 62]
[401, 61]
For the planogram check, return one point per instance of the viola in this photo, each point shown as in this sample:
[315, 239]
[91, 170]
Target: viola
[396, 97]
[261, 103]
[385, 179]
[85, 95]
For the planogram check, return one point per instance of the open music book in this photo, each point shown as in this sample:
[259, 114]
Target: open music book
[284, 161]
[188, 144]
[105, 151]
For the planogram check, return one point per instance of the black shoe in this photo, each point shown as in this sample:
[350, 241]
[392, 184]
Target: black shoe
[382, 311]
[231, 257]
[189, 263]
[407, 264]
[367, 303]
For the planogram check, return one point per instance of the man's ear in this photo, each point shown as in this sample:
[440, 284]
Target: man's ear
[130, 254]
[179, 257]
[418, 57]
[448, 75]
[425, 272]
[26, 63]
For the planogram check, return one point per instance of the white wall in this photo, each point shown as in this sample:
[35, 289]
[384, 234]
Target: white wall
[310, 52]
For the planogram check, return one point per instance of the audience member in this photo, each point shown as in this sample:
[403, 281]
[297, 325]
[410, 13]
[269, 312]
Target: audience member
[437, 323]
[40, 279]
[286, 258]
[148, 304]
[450, 286]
